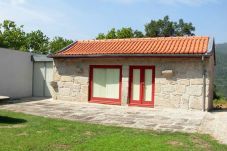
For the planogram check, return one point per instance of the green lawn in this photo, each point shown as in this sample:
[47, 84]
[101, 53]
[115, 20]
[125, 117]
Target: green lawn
[26, 132]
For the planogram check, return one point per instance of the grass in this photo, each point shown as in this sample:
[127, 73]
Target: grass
[21, 132]
[220, 103]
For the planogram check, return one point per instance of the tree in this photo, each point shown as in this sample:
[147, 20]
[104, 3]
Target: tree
[101, 36]
[160, 28]
[155, 28]
[138, 34]
[166, 28]
[12, 36]
[38, 42]
[58, 43]
[182, 28]
[125, 32]
[111, 34]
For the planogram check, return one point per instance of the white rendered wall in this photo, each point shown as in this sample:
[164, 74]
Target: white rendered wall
[15, 73]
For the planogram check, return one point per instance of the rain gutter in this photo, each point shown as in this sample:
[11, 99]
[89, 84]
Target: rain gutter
[127, 55]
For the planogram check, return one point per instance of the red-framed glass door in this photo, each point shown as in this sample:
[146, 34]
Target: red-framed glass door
[141, 85]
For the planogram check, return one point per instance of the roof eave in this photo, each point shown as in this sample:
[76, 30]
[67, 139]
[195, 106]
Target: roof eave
[129, 55]
[40, 58]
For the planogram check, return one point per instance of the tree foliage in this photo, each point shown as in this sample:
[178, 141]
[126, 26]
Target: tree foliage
[101, 36]
[111, 34]
[160, 28]
[38, 42]
[125, 32]
[182, 28]
[155, 28]
[58, 43]
[138, 34]
[14, 37]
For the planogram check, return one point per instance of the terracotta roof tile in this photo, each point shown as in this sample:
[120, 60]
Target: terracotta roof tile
[167, 45]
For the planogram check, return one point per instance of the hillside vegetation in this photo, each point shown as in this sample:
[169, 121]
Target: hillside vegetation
[221, 69]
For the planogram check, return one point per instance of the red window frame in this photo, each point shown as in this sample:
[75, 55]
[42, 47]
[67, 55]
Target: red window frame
[104, 100]
[141, 101]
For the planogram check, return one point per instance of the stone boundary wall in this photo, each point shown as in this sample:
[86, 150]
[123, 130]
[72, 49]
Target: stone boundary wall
[182, 90]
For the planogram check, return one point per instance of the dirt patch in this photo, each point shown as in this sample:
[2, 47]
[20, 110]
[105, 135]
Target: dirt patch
[201, 143]
[13, 126]
[62, 146]
[61, 128]
[43, 131]
[176, 143]
[22, 134]
[89, 133]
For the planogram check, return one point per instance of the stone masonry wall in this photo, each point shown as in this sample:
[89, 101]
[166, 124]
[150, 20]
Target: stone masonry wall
[183, 90]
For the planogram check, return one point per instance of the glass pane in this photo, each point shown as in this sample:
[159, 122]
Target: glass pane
[136, 84]
[148, 85]
[106, 83]
[99, 83]
[112, 83]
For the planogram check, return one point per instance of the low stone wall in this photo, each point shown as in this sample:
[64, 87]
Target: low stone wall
[182, 90]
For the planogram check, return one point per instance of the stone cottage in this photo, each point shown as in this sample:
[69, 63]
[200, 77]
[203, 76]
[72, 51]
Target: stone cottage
[176, 72]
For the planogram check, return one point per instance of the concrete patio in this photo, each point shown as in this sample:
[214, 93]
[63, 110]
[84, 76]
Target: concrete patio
[162, 119]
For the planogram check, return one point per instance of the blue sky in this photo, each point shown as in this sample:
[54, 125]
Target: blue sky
[84, 19]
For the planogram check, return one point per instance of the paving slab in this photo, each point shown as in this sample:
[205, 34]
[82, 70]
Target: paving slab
[215, 124]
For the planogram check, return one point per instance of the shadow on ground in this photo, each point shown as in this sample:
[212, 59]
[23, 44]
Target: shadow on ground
[22, 100]
[219, 110]
[11, 120]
